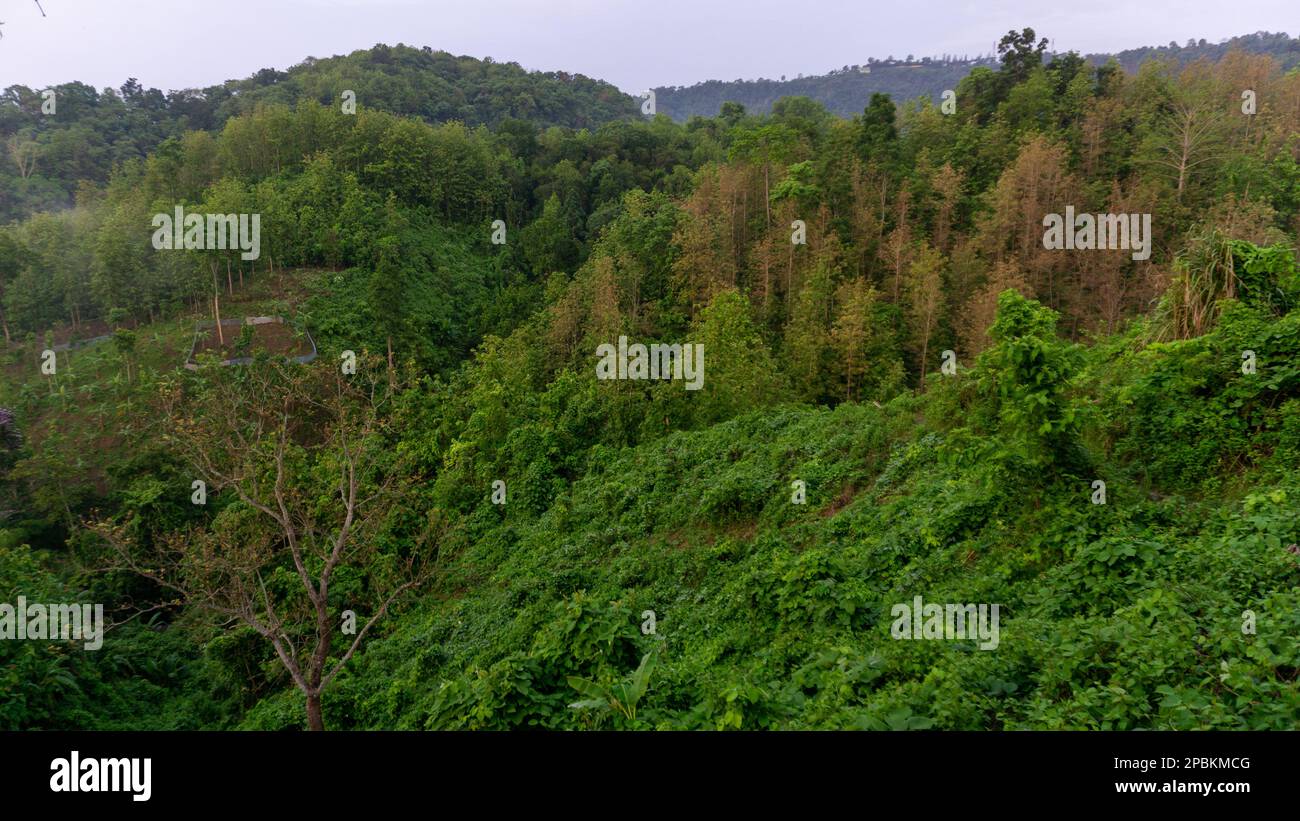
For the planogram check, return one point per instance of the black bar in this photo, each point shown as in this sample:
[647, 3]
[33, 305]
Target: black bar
[233, 770]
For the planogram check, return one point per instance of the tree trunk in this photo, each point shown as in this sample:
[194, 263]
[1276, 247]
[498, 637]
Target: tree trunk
[767, 274]
[315, 721]
[789, 284]
[216, 301]
[767, 194]
[230, 283]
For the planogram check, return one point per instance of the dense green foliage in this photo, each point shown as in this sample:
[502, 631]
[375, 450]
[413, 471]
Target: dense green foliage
[948, 393]
[92, 132]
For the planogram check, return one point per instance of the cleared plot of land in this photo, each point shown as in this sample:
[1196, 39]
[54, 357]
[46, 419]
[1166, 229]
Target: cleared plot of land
[241, 339]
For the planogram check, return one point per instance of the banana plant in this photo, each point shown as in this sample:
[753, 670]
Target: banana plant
[621, 697]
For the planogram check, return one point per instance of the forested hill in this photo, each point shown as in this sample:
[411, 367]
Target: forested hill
[91, 131]
[1279, 45]
[847, 90]
[439, 87]
[910, 392]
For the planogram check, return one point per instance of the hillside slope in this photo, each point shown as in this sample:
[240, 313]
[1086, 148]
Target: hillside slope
[909, 394]
[1171, 604]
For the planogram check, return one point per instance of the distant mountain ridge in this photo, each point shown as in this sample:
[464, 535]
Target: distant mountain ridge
[846, 91]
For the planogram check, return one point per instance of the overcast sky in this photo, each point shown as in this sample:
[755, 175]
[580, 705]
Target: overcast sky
[635, 44]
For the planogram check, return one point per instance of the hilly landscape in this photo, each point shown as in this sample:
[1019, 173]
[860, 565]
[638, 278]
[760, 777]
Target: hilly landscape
[846, 91]
[399, 487]
[97, 130]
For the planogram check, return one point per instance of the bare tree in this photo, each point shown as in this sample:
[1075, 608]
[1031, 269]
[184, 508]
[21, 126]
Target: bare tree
[1189, 132]
[947, 183]
[925, 298]
[24, 153]
[304, 452]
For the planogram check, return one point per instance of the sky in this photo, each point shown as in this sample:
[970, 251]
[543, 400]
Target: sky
[634, 44]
